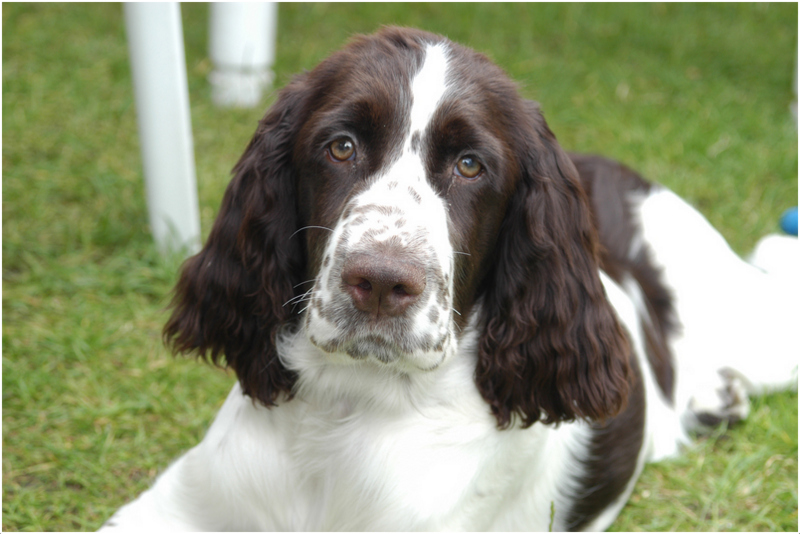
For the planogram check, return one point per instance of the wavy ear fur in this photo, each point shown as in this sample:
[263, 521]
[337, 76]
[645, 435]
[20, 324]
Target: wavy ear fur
[552, 349]
[230, 296]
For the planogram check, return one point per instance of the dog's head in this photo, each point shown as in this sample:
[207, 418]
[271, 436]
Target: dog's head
[397, 193]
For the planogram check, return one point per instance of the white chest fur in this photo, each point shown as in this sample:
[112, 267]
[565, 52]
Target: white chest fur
[359, 449]
[349, 459]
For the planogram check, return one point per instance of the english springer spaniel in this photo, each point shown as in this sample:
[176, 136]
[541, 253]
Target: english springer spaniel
[440, 320]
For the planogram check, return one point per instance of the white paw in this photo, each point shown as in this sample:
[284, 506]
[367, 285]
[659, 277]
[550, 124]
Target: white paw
[725, 401]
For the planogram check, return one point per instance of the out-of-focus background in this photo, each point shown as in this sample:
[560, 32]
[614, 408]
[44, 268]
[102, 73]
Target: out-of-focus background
[695, 96]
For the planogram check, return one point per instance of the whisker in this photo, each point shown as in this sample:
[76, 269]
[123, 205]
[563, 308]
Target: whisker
[306, 282]
[290, 300]
[307, 227]
[462, 253]
[455, 310]
[297, 298]
[300, 298]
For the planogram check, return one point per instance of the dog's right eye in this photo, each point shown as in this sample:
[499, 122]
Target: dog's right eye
[468, 167]
[342, 149]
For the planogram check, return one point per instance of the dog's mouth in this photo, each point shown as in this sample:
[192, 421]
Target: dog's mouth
[375, 347]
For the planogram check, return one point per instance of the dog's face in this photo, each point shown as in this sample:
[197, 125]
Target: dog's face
[404, 178]
[394, 196]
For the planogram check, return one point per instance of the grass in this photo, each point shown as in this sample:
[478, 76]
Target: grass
[738, 479]
[694, 96]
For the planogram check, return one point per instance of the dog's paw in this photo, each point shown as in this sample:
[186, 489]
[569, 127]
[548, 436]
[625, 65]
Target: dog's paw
[726, 401]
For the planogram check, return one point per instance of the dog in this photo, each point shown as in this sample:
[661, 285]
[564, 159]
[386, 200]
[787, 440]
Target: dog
[440, 320]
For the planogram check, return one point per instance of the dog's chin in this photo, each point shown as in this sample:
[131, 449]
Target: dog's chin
[376, 350]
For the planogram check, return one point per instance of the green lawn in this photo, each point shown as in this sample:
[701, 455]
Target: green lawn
[695, 96]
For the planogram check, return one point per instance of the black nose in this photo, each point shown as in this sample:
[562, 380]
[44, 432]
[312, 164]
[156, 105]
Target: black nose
[382, 285]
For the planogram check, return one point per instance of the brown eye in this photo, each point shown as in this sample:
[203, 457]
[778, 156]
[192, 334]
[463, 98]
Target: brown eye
[342, 149]
[468, 167]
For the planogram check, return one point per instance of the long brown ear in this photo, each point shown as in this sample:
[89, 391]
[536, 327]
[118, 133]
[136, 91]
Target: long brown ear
[552, 348]
[230, 297]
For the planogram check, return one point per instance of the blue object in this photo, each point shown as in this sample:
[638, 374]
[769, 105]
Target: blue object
[789, 221]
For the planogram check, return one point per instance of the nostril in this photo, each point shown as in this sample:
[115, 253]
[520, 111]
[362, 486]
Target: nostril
[354, 280]
[365, 285]
[411, 290]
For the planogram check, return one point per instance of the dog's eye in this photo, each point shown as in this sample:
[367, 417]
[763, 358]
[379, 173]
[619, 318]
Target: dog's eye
[342, 149]
[468, 167]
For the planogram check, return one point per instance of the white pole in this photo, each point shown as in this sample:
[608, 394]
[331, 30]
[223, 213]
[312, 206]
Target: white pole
[158, 64]
[242, 49]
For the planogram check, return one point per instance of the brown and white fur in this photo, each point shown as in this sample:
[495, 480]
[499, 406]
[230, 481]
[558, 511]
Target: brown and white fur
[440, 320]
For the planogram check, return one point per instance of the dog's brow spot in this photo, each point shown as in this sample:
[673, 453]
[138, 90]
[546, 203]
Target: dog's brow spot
[400, 223]
[326, 261]
[415, 140]
[416, 196]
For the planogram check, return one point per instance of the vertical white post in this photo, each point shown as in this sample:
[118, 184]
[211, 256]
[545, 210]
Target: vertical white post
[158, 64]
[242, 50]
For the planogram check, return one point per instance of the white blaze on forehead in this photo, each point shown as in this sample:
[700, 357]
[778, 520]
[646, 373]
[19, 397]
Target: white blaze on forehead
[401, 207]
[428, 86]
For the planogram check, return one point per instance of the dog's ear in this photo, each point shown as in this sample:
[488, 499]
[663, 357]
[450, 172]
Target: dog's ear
[551, 348]
[230, 297]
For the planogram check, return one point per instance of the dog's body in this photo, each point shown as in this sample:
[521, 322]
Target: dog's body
[469, 356]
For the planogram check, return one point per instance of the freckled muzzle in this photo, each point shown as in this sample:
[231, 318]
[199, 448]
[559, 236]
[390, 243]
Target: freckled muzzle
[381, 291]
